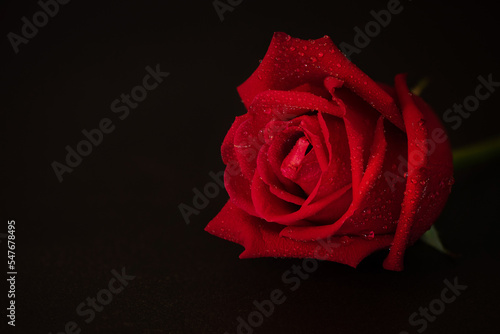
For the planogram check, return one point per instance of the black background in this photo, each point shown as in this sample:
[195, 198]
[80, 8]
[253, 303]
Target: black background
[119, 207]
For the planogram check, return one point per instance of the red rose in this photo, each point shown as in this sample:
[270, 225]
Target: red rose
[327, 163]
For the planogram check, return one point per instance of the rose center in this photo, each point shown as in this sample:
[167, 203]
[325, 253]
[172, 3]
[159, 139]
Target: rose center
[291, 164]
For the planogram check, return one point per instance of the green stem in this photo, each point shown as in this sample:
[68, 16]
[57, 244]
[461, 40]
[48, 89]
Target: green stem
[476, 153]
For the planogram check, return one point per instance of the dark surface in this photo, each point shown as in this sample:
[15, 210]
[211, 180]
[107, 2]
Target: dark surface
[119, 208]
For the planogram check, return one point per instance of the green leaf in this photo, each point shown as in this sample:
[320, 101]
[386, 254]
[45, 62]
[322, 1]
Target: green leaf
[476, 153]
[431, 238]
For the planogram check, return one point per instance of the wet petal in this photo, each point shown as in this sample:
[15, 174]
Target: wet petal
[291, 62]
[261, 239]
[430, 172]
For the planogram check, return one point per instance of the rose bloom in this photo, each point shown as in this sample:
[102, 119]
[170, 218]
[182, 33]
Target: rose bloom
[329, 164]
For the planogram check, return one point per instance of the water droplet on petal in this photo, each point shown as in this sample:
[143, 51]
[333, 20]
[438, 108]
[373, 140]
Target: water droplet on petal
[451, 181]
[345, 239]
[370, 235]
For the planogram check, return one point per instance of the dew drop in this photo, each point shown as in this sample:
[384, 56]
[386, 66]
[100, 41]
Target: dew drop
[345, 239]
[369, 235]
[451, 181]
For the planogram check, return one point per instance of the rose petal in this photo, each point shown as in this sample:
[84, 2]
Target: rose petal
[293, 161]
[238, 188]
[261, 239]
[227, 149]
[269, 177]
[291, 62]
[317, 90]
[312, 130]
[246, 147]
[273, 209]
[373, 190]
[360, 122]
[309, 173]
[378, 202]
[338, 172]
[429, 174]
[279, 148]
[285, 105]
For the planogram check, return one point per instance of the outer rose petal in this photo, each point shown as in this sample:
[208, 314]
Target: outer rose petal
[285, 105]
[246, 147]
[261, 239]
[429, 174]
[227, 148]
[238, 188]
[311, 62]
